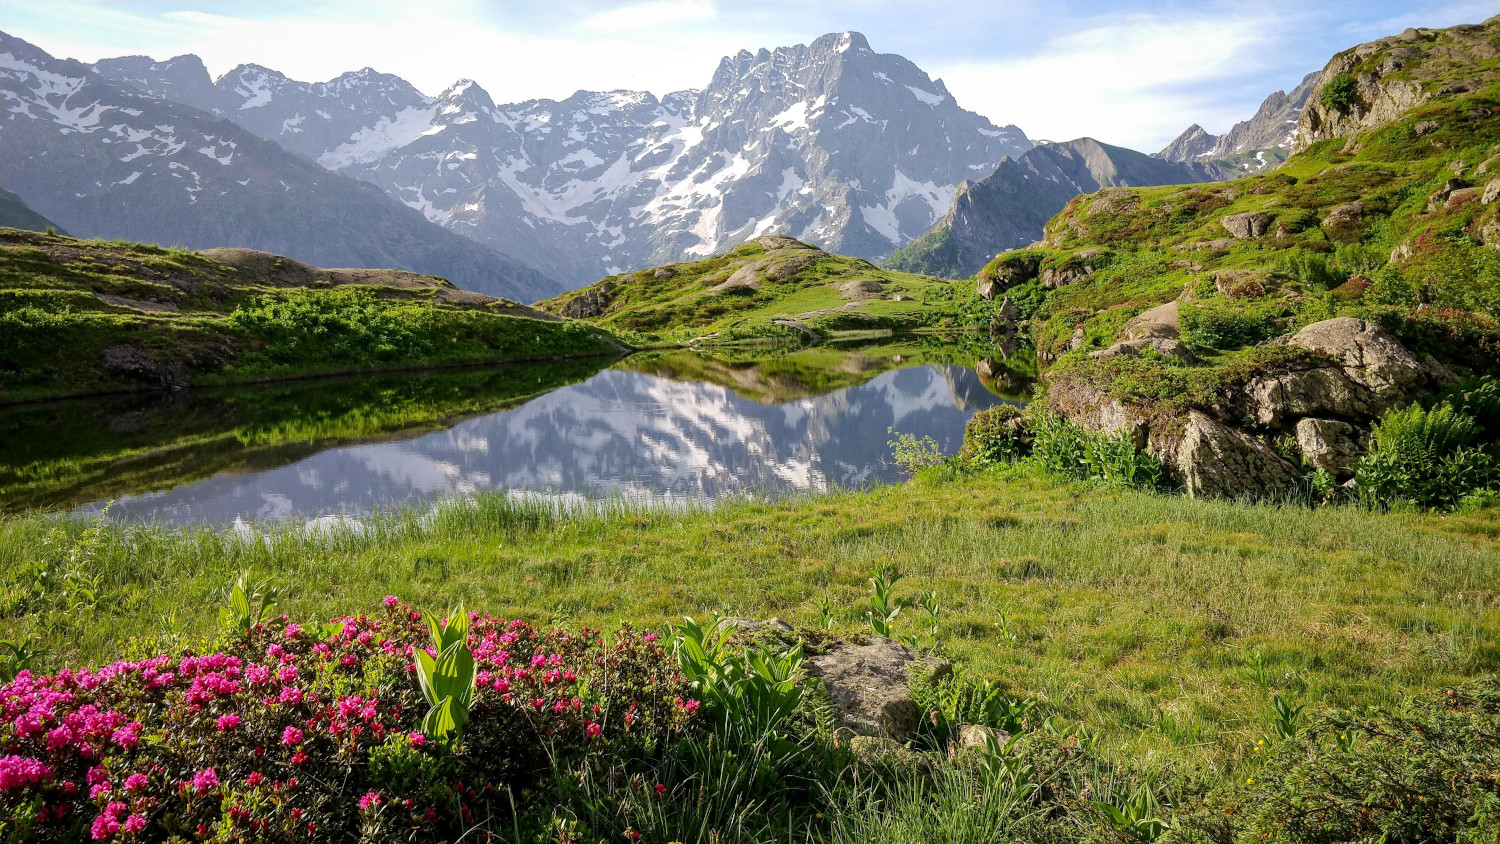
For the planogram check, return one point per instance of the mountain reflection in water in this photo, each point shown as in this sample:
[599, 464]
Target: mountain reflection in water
[621, 432]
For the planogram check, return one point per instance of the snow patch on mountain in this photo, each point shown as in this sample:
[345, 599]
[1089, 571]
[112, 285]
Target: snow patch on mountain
[373, 142]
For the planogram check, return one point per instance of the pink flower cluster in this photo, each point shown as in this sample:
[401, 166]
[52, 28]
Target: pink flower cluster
[290, 709]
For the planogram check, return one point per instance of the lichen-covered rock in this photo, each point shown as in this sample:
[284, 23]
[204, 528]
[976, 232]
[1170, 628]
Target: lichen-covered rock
[1330, 445]
[1491, 192]
[1367, 372]
[1163, 346]
[591, 302]
[977, 737]
[1214, 460]
[1344, 215]
[868, 685]
[1055, 278]
[1370, 356]
[1160, 321]
[1092, 409]
[1247, 224]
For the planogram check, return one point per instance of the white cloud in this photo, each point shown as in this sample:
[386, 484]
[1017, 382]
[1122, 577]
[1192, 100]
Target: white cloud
[1132, 82]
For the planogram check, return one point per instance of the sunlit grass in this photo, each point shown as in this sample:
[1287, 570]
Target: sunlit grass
[1166, 623]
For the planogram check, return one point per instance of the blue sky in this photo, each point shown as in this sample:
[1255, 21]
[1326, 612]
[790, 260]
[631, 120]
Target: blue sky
[1130, 73]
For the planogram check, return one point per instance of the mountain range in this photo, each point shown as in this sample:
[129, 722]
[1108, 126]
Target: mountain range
[1249, 146]
[855, 151]
[1008, 208]
[105, 160]
[829, 142]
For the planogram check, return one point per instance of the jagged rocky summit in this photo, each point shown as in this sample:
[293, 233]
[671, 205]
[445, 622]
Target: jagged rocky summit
[830, 142]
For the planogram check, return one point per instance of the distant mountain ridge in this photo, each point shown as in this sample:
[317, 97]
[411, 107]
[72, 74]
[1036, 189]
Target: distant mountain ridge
[104, 159]
[1249, 146]
[829, 142]
[1009, 208]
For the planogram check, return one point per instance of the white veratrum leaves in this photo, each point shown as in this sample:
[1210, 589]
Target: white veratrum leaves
[446, 680]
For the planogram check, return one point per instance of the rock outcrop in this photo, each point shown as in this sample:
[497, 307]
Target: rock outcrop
[1247, 224]
[1330, 445]
[1390, 75]
[1215, 460]
[1368, 372]
[1357, 371]
[869, 686]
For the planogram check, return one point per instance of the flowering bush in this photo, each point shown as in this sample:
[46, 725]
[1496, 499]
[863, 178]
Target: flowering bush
[272, 738]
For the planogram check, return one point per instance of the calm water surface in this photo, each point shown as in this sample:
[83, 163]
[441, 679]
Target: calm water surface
[659, 429]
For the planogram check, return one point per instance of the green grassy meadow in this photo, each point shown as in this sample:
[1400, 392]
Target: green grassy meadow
[1164, 623]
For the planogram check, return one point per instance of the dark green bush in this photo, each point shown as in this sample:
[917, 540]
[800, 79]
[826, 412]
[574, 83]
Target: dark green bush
[1422, 771]
[1219, 325]
[996, 435]
[1338, 94]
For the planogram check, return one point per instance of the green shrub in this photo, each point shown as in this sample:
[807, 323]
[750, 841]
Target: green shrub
[1307, 268]
[995, 435]
[1421, 771]
[1338, 94]
[1058, 445]
[1218, 325]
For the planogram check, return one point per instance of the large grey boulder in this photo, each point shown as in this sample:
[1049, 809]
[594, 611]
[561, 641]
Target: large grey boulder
[1247, 224]
[1160, 321]
[1217, 461]
[1330, 445]
[1369, 371]
[868, 685]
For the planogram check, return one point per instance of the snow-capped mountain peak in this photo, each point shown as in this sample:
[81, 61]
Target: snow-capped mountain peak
[831, 142]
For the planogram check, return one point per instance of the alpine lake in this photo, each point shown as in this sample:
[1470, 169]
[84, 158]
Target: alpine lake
[660, 428]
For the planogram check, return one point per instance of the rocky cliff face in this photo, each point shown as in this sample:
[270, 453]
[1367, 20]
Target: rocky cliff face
[105, 160]
[1393, 74]
[829, 142]
[1008, 208]
[1251, 145]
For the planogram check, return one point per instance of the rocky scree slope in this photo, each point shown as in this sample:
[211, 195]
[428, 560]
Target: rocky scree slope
[103, 159]
[1250, 331]
[1250, 146]
[829, 142]
[1008, 208]
[82, 316]
[772, 286]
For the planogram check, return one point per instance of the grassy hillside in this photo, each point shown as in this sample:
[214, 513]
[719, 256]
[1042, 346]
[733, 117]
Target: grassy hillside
[92, 316]
[1394, 223]
[1009, 207]
[771, 287]
[16, 214]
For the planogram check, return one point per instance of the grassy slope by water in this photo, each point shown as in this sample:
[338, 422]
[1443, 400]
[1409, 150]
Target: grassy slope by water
[67, 453]
[92, 316]
[1141, 616]
[743, 293]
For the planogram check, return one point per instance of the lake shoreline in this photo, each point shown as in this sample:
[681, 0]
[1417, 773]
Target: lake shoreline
[216, 381]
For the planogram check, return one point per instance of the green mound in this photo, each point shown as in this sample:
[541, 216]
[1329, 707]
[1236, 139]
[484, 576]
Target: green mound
[770, 287]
